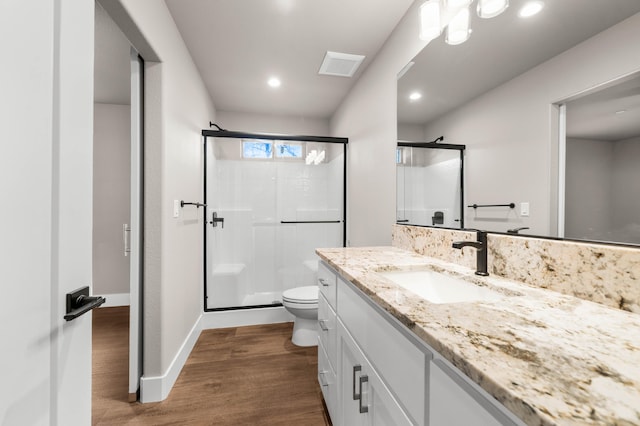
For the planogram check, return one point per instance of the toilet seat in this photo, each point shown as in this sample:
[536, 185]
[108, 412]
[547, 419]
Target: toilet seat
[301, 295]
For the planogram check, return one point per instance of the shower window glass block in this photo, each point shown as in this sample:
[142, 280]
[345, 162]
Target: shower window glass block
[257, 149]
[288, 150]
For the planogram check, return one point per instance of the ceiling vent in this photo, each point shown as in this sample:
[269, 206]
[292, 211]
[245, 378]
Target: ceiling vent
[340, 64]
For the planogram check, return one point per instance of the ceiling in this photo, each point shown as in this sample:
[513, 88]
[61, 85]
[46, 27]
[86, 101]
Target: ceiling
[609, 114]
[238, 45]
[498, 50]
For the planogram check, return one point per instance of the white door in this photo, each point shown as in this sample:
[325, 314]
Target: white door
[46, 117]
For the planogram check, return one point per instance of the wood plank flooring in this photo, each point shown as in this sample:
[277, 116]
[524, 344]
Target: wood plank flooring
[235, 376]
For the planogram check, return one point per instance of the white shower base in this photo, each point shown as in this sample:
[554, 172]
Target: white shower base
[264, 298]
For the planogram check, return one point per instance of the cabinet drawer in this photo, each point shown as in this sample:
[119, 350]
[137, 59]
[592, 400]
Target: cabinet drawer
[400, 363]
[327, 329]
[327, 283]
[328, 384]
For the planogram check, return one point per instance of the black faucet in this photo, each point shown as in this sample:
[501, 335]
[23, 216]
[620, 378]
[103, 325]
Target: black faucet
[481, 251]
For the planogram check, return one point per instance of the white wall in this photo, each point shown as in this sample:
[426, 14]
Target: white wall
[265, 123]
[410, 132]
[588, 208]
[626, 189]
[511, 135]
[367, 116]
[177, 108]
[111, 203]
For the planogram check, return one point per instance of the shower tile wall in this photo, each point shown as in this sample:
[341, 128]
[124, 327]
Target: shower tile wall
[254, 196]
[427, 188]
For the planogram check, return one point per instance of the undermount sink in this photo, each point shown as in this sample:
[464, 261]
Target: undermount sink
[440, 288]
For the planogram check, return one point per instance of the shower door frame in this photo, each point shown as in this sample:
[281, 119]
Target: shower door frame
[207, 133]
[434, 145]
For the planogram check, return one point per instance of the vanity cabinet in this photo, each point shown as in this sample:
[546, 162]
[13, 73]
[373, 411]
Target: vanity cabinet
[327, 339]
[365, 398]
[453, 403]
[374, 371]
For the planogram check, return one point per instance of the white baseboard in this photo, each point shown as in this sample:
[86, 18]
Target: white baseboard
[154, 389]
[116, 299]
[243, 317]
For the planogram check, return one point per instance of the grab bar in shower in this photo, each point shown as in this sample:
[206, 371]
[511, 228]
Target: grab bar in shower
[510, 205]
[310, 221]
[198, 205]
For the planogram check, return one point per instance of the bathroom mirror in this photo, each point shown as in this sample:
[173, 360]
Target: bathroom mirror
[505, 93]
[602, 177]
[430, 184]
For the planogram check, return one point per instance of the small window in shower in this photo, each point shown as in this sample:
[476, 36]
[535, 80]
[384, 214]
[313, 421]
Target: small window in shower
[257, 149]
[398, 155]
[288, 150]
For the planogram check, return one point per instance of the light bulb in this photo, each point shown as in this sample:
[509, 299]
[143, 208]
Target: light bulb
[530, 9]
[430, 20]
[491, 8]
[458, 30]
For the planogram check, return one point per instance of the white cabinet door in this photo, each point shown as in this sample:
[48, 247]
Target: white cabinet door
[398, 361]
[450, 404]
[365, 398]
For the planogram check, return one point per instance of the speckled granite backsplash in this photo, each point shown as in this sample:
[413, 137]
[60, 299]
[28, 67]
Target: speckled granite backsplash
[604, 274]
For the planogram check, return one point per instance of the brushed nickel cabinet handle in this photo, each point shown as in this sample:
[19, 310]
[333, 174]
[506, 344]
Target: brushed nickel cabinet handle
[323, 282]
[323, 325]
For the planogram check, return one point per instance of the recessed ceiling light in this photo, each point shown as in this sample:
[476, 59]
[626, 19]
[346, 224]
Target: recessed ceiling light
[415, 96]
[622, 111]
[531, 8]
[274, 82]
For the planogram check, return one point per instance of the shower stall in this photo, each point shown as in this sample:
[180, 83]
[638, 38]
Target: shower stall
[430, 184]
[270, 202]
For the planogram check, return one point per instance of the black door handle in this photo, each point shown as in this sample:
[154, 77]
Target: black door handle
[79, 302]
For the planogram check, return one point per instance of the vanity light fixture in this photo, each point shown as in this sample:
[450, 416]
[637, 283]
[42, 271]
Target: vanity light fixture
[414, 96]
[491, 8]
[531, 8]
[458, 30]
[430, 20]
[453, 5]
[274, 82]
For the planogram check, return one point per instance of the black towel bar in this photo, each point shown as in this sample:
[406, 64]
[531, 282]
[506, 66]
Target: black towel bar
[198, 205]
[510, 205]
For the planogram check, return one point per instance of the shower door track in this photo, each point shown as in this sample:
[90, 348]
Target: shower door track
[207, 133]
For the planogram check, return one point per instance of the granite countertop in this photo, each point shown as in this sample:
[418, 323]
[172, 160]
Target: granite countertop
[551, 359]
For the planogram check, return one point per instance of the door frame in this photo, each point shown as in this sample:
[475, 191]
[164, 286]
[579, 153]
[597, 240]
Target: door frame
[136, 221]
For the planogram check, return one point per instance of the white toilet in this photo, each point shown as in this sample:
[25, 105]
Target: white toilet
[302, 302]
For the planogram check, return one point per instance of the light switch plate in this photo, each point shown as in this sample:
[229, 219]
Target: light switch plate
[176, 209]
[524, 209]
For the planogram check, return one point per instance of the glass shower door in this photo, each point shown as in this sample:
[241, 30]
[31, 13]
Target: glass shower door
[429, 184]
[275, 202]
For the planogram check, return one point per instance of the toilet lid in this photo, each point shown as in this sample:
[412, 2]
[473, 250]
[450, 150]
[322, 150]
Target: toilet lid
[307, 294]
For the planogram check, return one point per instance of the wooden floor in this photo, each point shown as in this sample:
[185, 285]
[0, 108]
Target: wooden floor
[234, 376]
